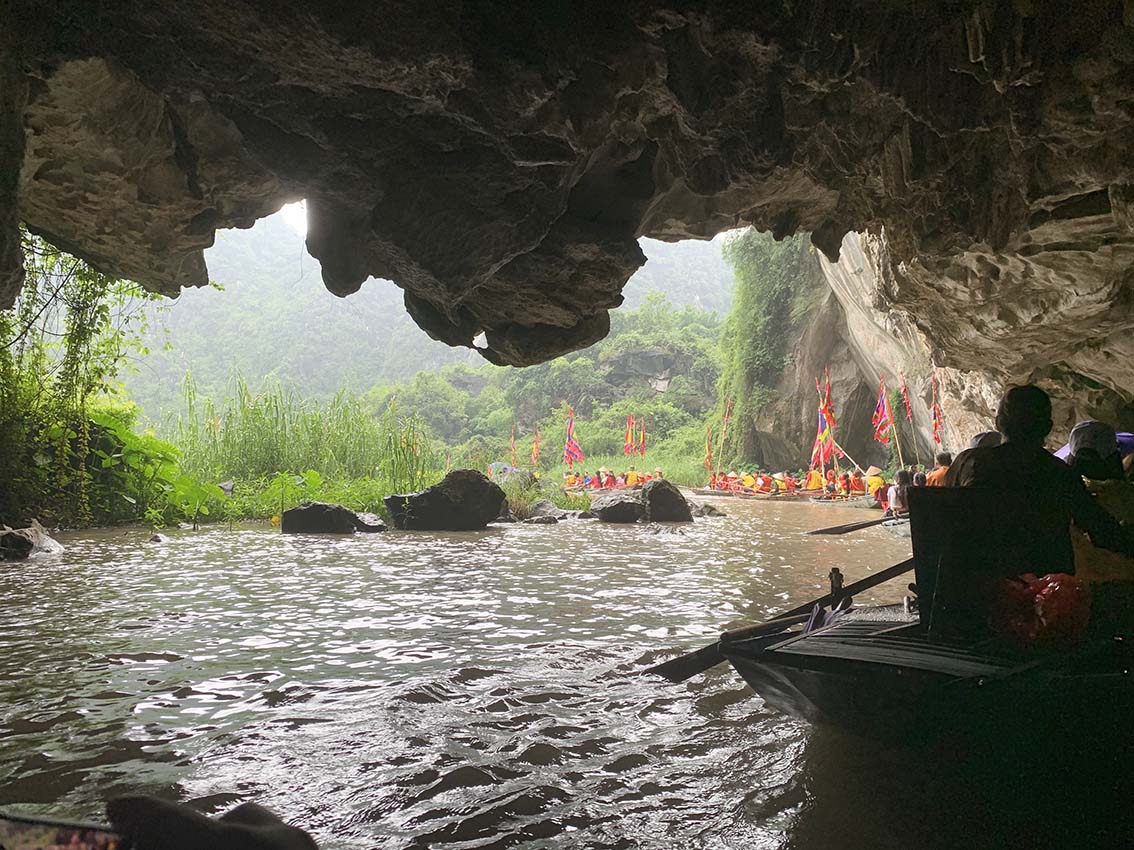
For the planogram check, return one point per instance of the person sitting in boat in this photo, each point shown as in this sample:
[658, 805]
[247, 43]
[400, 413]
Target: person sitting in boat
[791, 483]
[749, 480]
[814, 480]
[936, 478]
[1043, 541]
[596, 480]
[875, 482]
[658, 473]
[986, 440]
[1095, 457]
[631, 477]
[857, 483]
[832, 485]
[845, 483]
[897, 503]
[920, 479]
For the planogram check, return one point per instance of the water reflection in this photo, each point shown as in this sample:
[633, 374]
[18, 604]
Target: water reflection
[414, 690]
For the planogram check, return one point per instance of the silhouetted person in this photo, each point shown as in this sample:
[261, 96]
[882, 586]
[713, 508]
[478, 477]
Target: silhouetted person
[1053, 494]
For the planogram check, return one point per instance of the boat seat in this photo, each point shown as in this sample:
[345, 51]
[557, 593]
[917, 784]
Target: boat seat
[962, 538]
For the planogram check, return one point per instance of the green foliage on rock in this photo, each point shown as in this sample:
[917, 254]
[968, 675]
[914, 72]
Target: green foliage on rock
[776, 284]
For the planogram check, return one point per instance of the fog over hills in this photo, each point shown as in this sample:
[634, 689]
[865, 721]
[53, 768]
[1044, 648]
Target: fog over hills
[275, 319]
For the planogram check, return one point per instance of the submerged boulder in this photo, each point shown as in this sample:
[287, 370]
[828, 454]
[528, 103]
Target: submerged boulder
[17, 544]
[619, 506]
[699, 509]
[664, 502]
[464, 500]
[546, 507]
[324, 518]
[544, 519]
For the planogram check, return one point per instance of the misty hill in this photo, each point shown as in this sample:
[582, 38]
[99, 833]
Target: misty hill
[275, 319]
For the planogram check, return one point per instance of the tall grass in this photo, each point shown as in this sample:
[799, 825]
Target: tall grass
[251, 436]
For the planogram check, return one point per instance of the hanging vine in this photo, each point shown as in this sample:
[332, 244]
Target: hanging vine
[61, 347]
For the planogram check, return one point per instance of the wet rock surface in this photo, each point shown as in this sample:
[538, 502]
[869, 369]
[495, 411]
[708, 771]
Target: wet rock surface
[17, 544]
[664, 502]
[544, 519]
[500, 167]
[703, 509]
[324, 518]
[621, 506]
[547, 508]
[465, 500]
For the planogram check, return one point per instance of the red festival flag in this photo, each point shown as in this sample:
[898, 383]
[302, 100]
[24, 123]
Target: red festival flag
[906, 399]
[883, 417]
[937, 417]
[535, 449]
[572, 452]
[642, 439]
[828, 407]
[628, 447]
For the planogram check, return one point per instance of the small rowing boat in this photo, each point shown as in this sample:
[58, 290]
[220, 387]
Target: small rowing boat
[926, 670]
[795, 496]
[899, 526]
[862, 501]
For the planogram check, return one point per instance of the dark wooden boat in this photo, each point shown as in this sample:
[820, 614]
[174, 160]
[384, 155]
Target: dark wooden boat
[929, 673]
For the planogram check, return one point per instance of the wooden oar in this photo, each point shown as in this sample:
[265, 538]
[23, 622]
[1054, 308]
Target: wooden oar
[851, 526]
[686, 666]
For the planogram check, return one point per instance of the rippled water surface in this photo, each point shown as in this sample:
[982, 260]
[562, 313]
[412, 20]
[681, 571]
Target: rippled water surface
[413, 690]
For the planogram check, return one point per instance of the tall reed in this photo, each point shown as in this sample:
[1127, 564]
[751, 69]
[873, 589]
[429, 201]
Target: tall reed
[258, 435]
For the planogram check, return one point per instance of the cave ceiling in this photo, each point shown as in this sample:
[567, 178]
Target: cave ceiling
[499, 161]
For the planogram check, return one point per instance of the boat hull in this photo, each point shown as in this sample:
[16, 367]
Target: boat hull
[910, 691]
[732, 494]
[847, 501]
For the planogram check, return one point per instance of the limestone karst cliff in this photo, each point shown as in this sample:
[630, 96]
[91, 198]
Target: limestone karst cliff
[499, 161]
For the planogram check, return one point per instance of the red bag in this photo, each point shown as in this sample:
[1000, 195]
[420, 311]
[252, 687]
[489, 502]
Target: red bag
[1051, 612]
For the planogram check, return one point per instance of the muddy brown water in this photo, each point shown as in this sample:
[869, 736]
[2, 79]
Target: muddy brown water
[443, 690]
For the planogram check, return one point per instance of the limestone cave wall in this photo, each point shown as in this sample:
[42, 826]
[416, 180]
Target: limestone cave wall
[499, 161]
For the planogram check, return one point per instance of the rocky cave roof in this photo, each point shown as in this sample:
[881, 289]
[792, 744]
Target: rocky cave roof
[498, 161]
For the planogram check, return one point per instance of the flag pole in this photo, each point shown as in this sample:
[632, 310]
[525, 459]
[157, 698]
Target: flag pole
[834, 455]
[724, 429]
[845, 452]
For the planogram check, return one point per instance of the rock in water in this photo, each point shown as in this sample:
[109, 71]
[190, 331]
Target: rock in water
[17, 544]
[619, 506]
[323, 518]
[541, 520]
[664, 502]
[704, 509]
[546, 507]
[465, 500]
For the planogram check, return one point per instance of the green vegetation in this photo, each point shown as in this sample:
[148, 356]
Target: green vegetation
[68, 452]
[325, 417]
[777, 283]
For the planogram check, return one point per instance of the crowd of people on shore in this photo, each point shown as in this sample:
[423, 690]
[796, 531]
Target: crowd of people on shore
[606, 479]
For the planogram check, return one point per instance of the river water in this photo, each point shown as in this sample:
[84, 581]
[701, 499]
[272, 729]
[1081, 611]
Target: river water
[444, 690]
